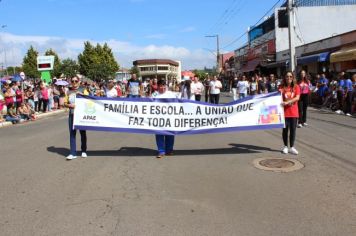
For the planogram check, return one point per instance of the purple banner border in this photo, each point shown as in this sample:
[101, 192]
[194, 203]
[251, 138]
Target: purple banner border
[188, 132]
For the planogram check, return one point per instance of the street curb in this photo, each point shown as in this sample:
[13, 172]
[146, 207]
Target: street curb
[51, 113]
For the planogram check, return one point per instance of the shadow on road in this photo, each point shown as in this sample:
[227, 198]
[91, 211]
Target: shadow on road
[142, 152]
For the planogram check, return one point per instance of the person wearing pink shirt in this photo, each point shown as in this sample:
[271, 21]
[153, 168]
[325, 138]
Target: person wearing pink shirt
[304, 85]
[44, 97]
[198, 88]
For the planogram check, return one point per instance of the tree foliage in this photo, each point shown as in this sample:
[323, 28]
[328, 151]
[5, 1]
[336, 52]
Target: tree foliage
[56, 72]
[97, 62]
[69, 68]
[29, 63]
[201, 74]
[12, 70]
[135, 70]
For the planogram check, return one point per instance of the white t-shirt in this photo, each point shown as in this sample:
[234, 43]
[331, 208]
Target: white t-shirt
[198, 88]
[167, 94]
[112, 93]
[242, 85]
[215, 86]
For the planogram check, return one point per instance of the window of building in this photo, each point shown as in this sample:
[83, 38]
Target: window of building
[147, 68]
[162, 67]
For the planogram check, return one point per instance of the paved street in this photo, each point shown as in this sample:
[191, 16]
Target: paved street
[209, 187]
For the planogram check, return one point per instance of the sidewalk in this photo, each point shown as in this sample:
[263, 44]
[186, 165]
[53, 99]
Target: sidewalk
[39, 116]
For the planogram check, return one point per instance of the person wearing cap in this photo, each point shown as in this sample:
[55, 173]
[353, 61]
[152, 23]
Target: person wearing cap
[111, 91]
[69, 102]
[164, 143]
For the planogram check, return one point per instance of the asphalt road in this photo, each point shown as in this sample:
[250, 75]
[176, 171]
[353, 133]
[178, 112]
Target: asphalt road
[209, 187]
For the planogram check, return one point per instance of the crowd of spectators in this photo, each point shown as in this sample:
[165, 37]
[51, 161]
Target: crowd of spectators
[337, 93]
[23, 100]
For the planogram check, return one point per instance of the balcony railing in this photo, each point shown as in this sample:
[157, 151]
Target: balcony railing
[318, 3]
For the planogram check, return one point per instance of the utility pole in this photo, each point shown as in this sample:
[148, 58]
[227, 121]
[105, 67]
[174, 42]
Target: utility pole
[291, 32]
[217, 49]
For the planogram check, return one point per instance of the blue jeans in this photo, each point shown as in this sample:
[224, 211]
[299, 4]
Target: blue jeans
[164, 143]
[72, 134]
[242, 95]
[12, 119]
[133, 96]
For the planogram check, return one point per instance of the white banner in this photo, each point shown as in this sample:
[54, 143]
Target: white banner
[177, 116]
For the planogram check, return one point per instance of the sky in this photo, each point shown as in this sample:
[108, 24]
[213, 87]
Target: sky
[134, 29]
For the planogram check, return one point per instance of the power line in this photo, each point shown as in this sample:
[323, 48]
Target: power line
[239, 37]
[223, 15]
[231, 14]
[234, 13]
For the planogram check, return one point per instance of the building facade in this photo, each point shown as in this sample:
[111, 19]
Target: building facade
[322, 28]
[159, 68]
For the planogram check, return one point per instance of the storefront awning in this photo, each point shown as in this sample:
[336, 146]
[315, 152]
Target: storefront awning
[277, 64]
[348, 54]
[250, 66]
[320, 57]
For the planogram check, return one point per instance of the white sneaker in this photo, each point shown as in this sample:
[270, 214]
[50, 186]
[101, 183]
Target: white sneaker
[348, 114]
[71, 157]
[300, 125]
[285, 150]
[305, 124]
[338, 112]
[294, 151]
[84, 154]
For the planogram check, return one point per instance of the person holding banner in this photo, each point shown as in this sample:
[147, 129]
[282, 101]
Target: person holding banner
[69, 102]
[290, 94]
[164, 143]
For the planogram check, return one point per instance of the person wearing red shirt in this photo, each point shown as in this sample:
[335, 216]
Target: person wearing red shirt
[291, 94]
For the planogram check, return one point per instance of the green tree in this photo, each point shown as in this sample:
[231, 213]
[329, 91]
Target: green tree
[12, 70]
[97, 62]
[109, 59]
[87, 58]
[135, 70]
[56, 72]
[69, 68]
[200, 74]
[29, 63]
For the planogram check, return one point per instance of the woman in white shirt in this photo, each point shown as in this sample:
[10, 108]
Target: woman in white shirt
[242, 85]
[215, 86]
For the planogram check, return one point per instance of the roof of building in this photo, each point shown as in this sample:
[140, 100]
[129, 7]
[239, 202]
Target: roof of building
[226, 56]
[155, 61]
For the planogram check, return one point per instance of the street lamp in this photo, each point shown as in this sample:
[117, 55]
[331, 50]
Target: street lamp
[217, 49]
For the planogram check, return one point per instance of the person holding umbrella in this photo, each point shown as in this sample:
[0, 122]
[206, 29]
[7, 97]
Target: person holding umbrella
[69, 102]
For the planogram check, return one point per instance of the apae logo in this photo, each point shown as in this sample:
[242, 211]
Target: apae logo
[89, 110]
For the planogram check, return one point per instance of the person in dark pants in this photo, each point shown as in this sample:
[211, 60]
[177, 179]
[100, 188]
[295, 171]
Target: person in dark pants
[348, 88]
[291, 94]
[215, 87]
[207, 88]
[43, 101]
[304, 86]
[69, 102]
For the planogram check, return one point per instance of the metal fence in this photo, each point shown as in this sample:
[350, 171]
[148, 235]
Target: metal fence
[314, 3]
